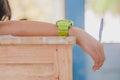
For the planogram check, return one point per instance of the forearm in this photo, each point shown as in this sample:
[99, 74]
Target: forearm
[28, 28]
[32, 28]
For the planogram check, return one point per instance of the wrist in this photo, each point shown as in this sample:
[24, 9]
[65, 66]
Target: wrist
[77, 33]
[73, 31]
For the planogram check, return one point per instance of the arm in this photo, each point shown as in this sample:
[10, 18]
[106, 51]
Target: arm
[28, 28]
[90, 46]
[32, 28]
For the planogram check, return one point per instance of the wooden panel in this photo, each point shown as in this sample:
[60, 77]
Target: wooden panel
[26, 78]
[27, 54]
[40, 70]
[35, 61]
[64, 55]
[28, 72]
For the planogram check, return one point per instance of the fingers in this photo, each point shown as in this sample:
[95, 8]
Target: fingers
[96, 63]
[100, 57]
[95, 56]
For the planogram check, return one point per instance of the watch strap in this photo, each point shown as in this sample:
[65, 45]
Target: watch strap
[63, 31]
[63, 27]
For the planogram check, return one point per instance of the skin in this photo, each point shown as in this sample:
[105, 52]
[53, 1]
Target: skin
[33, 28]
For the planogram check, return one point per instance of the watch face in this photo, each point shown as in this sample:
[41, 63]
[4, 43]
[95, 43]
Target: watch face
[64, 22]
[63, 27]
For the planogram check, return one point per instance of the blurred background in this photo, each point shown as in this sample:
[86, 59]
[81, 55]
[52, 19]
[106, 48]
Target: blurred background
[110, 11]
[87, 15]
[37, 10]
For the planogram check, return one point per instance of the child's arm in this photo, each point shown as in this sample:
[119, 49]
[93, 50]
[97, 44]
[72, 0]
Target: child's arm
[90, 46]
[28, 28]
[33, 28]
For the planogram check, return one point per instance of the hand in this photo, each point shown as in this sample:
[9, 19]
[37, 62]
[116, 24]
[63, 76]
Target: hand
[90, 46]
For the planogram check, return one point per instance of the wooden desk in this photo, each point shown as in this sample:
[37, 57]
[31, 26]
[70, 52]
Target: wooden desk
[36, 58]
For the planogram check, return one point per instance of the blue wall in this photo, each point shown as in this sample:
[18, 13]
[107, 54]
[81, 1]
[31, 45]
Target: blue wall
[75, 12]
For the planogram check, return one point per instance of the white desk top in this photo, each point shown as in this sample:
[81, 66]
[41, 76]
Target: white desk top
[7, 39]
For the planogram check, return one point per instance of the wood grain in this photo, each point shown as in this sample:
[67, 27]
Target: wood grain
[64, 59]
[27, 58]
[26, 54]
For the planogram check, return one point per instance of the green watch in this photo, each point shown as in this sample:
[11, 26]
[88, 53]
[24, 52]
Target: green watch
[63, 27]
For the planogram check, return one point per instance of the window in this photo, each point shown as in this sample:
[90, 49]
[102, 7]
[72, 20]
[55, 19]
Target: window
[109, 10]
[39, 10]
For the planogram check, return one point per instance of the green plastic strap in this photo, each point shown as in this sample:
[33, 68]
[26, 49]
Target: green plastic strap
[63, 31]
[63, 27]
